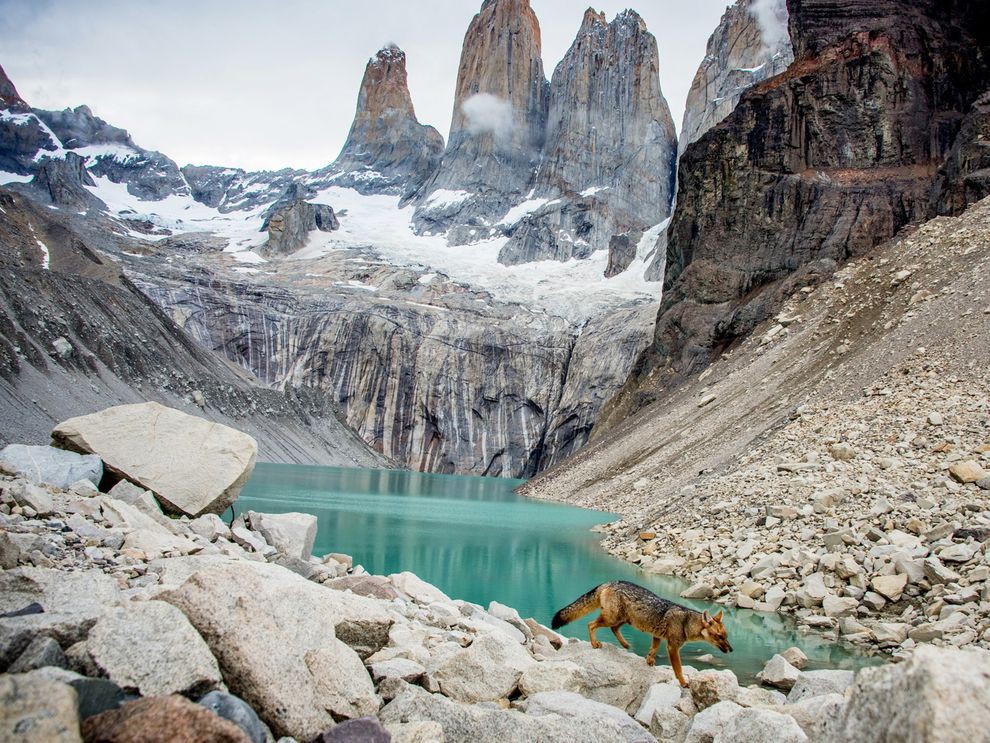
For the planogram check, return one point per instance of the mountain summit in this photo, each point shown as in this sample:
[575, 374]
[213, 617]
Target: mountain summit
[387, 148]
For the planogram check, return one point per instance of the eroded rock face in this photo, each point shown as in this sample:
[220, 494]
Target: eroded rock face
[387, 149]
[750, 45]
[821, 163]
[608, 164]
[22, 134]
[498, 126]
[62, 179]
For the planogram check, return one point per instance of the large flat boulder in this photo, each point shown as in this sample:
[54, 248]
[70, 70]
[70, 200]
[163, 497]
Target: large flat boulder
[938, 694]
[191, 465]
[81, 592]
[273, 634]
[48, 465]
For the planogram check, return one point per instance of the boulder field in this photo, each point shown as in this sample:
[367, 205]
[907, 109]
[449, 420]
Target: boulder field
[117, 621]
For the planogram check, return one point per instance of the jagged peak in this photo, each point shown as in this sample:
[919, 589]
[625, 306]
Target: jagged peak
[389, 54]
[630, 17]
[593, 18]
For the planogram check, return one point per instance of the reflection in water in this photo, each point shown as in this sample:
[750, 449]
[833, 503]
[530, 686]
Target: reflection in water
[477, 540]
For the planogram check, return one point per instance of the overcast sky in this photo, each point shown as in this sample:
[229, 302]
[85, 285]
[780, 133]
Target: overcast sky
[272, 84]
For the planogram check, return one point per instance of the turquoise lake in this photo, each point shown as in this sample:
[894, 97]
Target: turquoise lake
[477, 540]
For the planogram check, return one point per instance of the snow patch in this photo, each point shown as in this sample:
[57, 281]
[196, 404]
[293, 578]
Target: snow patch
[444, 197]
[519, 211]
[46, 256]
[593, 190]
[6, 177]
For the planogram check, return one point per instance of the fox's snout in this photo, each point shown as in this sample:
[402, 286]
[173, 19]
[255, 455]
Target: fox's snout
[725, 647]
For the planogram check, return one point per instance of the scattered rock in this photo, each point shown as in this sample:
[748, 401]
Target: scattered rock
[818, 683]
[779, 673]
[760, 726]
[292, 534]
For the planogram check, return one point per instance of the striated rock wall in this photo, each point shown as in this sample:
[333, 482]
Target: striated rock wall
[814, 166]
[387, 149]
[498, 391]
[609, 160]
[751, 44]
[498, 126]
[76, 336]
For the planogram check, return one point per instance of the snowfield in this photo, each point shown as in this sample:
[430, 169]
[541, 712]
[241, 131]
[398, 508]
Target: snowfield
[575, 290]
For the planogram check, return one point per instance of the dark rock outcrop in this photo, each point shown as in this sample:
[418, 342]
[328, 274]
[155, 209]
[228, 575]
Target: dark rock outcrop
[965, 177]
[816, 165]
[61, 181]
[10, 99]
[750, 45]
[22, 134]
[387, 149]
[234, 189]
[498, 127]
[148, 175]
[611, 149]
[290, 220]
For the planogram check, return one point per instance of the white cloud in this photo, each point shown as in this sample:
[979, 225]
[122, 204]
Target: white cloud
[771, 15]
[489, 114]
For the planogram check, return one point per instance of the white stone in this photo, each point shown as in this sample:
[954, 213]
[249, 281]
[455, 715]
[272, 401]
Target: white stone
[192, 466]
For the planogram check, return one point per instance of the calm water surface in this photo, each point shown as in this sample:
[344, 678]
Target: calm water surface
[477, 540]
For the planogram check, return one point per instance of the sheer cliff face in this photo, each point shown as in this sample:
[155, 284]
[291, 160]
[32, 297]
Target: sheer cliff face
[818, 164]
[498, 126]
[750, 45]
[608, 165]
[387, 149]
[9, 97]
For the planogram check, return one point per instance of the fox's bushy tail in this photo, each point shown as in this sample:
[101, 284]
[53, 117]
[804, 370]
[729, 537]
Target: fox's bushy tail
[576, 609]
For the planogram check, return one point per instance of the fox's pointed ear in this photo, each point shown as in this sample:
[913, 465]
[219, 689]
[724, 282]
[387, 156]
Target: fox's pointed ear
[717, 617]
[704, 615]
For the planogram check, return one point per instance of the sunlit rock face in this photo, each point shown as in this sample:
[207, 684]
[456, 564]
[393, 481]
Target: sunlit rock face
[608, 164]
[387, 149]
[498, 126]
[750, 45]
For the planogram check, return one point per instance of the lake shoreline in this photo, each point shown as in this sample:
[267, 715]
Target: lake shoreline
[393, 650]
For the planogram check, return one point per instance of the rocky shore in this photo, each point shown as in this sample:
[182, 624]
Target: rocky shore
[838, 466]
[119, 621]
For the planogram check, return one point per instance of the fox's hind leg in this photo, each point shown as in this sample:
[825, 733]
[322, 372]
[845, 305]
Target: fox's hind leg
[592, 626]
[618, 635]
[651, 657]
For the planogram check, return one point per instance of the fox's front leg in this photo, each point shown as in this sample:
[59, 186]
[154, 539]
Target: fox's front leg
[651, 657]
[674, 653]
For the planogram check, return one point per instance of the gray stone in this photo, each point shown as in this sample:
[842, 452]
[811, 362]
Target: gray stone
[485, 722]
[567, 704]
[708, 723]
[819, 717]
[361, 730]
[291, 534]
[209, 526]
[42, 651]
[760, 726]
[818, 683]
[403, 668]
[417, 589]
[10, 552]
[299, 677]
[150, 647]
[416, 732]
[50, 466]
[779, 673]
[31, 496]
[192, 466]
[487, 670]
[609, 674]
[80, 592]
[238, 712]
[94, 695]
[37, 709]
[659, 696]
[936, 695]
